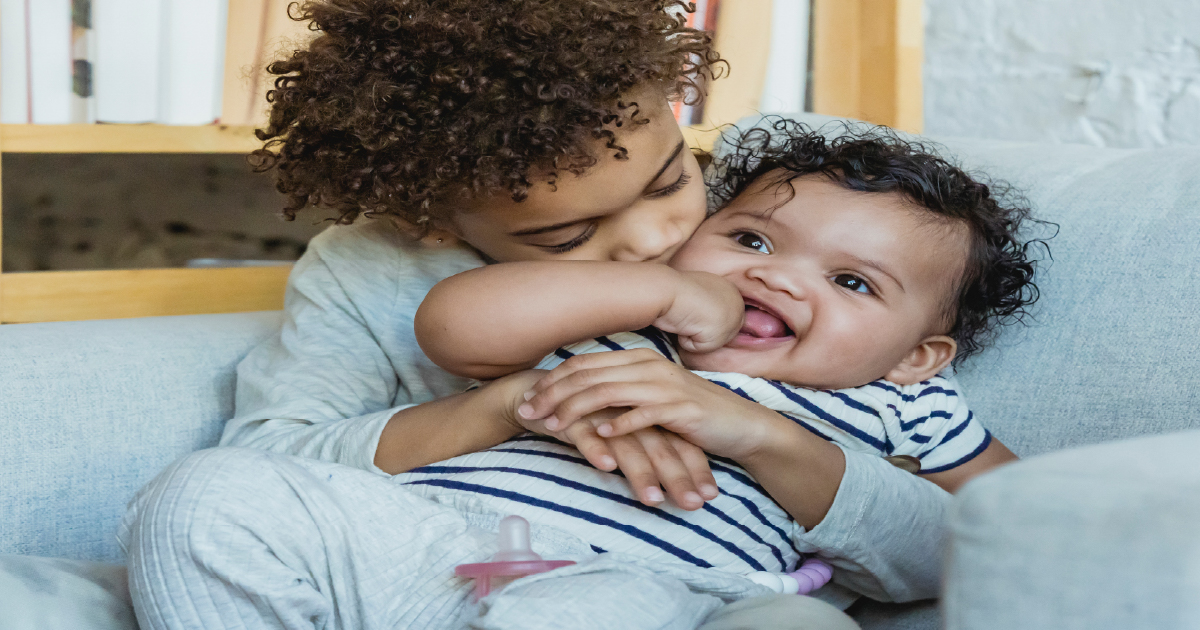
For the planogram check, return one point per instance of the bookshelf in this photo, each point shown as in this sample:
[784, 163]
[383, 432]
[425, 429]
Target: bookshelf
[42, 296]
[867, 57]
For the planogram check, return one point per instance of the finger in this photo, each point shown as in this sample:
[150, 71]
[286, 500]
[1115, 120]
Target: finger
[696, 461]
[668, 467]
[676, 417]
[638, 471]
[611, 395]
[601, 379]
[594, 448]
[594, 360]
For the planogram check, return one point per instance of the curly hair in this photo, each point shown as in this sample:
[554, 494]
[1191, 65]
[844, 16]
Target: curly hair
[996, 285]
[397, 105]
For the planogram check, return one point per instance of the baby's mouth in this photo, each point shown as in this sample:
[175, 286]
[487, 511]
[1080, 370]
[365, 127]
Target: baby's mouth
[763, 324]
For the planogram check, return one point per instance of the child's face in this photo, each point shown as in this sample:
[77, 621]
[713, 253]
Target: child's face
[840, 286]
[639, 209]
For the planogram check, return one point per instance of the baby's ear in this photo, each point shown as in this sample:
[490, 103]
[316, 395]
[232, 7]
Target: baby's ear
[930, 356]
[429, 236]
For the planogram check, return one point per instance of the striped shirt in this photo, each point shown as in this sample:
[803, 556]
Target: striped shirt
[743, 529]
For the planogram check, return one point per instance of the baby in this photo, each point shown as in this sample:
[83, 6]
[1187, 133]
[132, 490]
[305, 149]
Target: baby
[817, 307]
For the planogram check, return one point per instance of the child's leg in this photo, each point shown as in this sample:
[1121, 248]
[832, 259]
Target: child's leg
[779, 612]
[231, 537]
[613, 591]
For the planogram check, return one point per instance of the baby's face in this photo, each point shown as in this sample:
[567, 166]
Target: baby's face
[839, 285]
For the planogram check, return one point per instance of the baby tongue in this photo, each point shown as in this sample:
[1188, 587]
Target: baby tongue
[762, 324]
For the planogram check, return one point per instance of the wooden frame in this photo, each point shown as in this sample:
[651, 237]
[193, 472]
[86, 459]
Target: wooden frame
[42, 296]
[866, 63]
[867, 58]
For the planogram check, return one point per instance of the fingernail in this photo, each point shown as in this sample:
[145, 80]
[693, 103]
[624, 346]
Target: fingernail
[654, 495]
[608, 462]
[529, 394]
[605, 430]
[692, 497]
[552, 422]
[709, 491]
[525, 411]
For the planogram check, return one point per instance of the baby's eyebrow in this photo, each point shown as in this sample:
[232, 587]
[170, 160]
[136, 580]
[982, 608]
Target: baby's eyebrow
[866, 262]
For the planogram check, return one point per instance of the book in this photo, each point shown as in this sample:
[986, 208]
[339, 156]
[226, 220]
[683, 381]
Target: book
[48, 47]
[259, 32]
[193, 61]
[127, 67]
[14, 63]
[83, 102]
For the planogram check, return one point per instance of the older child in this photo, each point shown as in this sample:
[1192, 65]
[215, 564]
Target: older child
[834, 286]
[517, 130]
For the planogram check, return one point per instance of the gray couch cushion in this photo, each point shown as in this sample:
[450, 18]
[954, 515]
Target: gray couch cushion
[57, 594]
[93, 410]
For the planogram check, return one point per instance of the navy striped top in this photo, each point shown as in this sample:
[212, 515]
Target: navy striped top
[743, 529]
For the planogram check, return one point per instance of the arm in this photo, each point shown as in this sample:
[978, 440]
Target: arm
[345, 363]
[503, 318]
[880, 526]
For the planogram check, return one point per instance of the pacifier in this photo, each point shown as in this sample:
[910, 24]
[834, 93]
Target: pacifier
[515, 559]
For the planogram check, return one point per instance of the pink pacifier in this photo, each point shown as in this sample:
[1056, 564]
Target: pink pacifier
[515, 559]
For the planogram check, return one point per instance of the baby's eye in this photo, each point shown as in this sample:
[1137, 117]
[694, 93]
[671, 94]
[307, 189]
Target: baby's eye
[852, 282]
[751, 240]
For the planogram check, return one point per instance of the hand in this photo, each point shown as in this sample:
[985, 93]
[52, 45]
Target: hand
[647, 457]
[657, 392]
[706, 312]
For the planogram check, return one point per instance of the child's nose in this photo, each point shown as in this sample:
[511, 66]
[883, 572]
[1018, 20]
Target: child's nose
[649, 242]
[780, 280]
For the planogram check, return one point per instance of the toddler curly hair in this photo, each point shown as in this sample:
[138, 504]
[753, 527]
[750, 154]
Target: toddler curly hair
[399, 105]
[996, 286]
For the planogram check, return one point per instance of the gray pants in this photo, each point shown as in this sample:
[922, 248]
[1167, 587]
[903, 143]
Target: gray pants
[236, 537]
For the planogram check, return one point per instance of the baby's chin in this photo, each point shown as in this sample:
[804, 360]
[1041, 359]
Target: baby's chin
[758, 366]
[729, 360]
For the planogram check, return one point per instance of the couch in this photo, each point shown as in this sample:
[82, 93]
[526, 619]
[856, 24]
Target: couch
[1087, 537]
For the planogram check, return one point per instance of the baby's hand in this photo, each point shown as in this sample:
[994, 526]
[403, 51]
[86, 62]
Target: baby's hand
[706, 312]
[649, 457]
[650, 390]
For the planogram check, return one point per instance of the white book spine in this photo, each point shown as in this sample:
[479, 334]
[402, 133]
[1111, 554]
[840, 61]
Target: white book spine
[14, 63]
[83, 52]
[193, 51]
[50, 67]
[126, 68]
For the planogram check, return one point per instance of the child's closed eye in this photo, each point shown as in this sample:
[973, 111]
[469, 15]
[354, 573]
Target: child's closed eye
[684, 179]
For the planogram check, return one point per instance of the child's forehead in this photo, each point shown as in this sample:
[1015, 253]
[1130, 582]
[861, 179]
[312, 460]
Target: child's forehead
[816, 213]
[781, 195]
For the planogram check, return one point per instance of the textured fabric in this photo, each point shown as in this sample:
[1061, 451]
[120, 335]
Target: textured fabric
[778, 612]
[873, 615]
[346, 359]
[56, 594]
[1091, 538]
[289, 542]
[90, 411]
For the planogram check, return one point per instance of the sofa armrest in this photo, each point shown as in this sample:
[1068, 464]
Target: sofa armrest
[1097, 537]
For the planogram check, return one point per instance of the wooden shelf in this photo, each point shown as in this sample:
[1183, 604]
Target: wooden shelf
[127, 139]
[55, 296]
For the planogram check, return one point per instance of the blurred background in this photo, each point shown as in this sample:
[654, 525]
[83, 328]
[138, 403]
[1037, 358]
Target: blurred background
[1098, 72]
